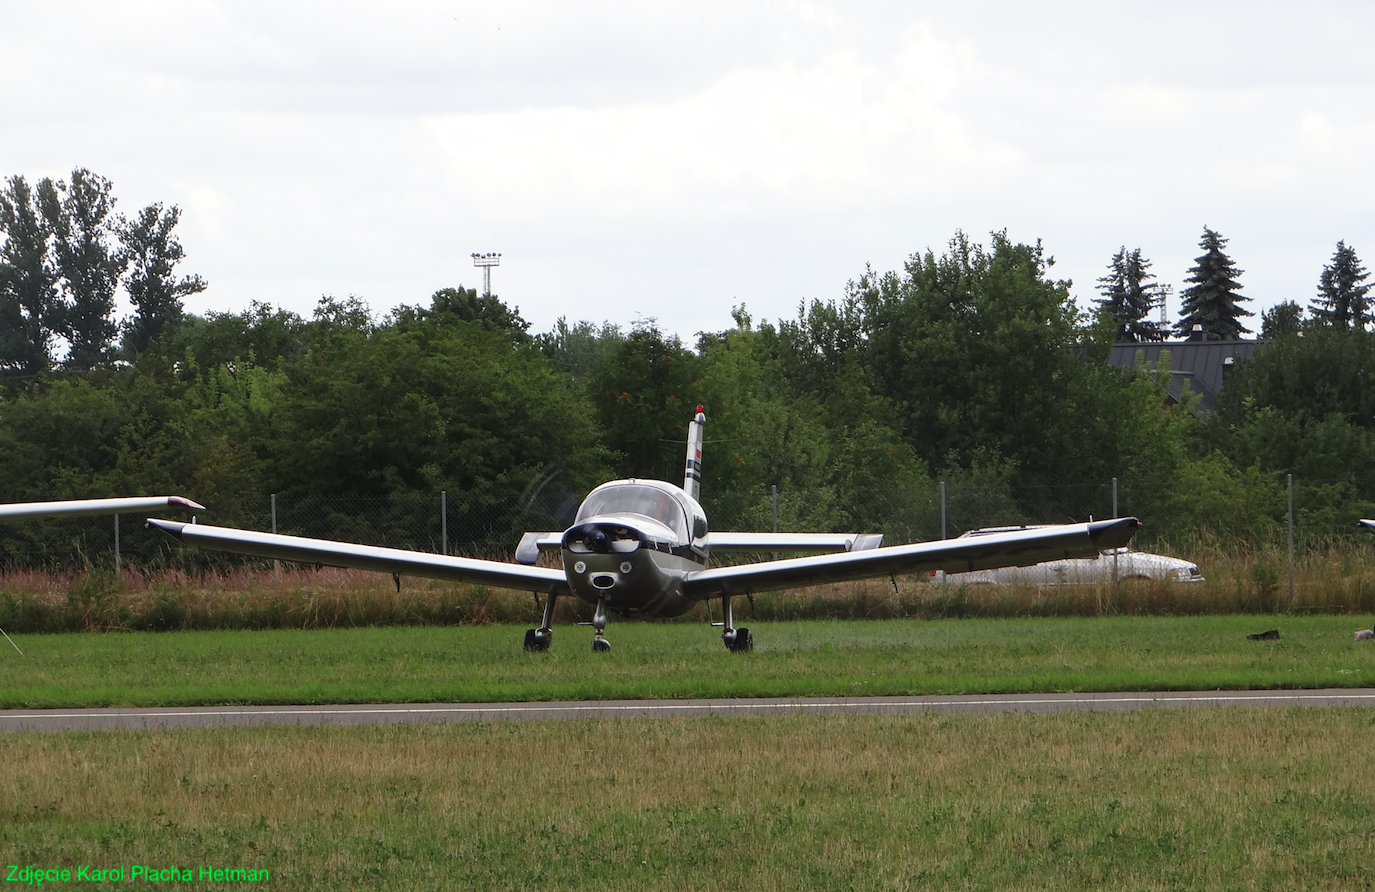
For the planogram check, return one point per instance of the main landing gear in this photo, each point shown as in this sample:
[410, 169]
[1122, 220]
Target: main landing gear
[540, 639]
[737, 641]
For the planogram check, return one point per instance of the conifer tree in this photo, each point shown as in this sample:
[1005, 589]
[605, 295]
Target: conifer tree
[1129, 296]
[1212, 299]
[1341, 302]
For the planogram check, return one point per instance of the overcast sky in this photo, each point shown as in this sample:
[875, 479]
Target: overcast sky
[634, 160]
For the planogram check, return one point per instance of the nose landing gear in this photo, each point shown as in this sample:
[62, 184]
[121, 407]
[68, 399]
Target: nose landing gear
[737, 641]
[599, 643]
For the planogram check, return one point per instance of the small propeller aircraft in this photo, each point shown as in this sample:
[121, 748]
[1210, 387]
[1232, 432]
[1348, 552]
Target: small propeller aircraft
[643, 546]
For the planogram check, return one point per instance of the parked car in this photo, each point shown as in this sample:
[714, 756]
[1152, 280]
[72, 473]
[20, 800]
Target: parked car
[1123, 562]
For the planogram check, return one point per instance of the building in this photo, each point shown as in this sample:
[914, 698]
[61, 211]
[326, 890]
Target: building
[1204, 365]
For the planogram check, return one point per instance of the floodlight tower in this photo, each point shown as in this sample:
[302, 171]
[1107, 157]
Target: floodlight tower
[487, 261]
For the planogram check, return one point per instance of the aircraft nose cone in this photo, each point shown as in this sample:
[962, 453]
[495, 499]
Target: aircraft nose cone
[598, 541]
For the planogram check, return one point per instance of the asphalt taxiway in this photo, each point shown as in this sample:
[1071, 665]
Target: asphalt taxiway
[403, 713]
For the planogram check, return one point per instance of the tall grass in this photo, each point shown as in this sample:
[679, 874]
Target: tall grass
[1336, 578]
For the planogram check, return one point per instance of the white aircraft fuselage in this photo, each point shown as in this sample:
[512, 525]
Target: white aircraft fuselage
[632, 545]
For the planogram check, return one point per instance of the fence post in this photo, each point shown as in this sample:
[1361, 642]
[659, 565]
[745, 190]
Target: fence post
[773, 491]
[116, 544]
[276, 564]
[942, 509]
[444, 521]
[1114, 551]
[1291, 537]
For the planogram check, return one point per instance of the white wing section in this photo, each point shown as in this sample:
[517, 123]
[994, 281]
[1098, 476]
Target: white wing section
[1011, 549]
[795, 541]
[366, 557]
[94, 506]
[1368, 524]
[531, 544]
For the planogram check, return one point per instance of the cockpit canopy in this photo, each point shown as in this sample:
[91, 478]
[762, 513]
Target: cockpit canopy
[638, 498]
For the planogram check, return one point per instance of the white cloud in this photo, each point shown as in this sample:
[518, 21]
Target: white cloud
[671, 161]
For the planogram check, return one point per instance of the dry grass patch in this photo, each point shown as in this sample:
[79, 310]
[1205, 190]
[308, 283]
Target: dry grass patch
[1339, 578]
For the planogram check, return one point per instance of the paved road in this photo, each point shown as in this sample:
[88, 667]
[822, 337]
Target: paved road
[402, 713]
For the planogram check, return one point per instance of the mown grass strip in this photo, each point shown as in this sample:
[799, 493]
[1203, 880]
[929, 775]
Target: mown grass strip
[1206, 799]
[840, 658]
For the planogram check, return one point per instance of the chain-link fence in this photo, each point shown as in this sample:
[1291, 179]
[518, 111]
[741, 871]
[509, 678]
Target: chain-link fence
[1255, 510]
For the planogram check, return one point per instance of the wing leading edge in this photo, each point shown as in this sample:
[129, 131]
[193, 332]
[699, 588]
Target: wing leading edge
[366, 557]
[94, 506]
[1017, 548]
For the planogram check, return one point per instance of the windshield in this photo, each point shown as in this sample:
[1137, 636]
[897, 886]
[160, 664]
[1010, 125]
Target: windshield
[630, 498]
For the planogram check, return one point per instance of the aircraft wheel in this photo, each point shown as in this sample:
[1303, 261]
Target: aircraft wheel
[601, 646]
[742, 643]
[534, 641]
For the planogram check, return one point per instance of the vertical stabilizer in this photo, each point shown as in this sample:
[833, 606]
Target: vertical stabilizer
[692, 477]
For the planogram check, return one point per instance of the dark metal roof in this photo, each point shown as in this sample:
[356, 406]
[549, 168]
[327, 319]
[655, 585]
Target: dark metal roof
[1203, 364]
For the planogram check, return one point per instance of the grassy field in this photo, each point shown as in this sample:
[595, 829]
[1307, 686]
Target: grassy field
[1197, 799]
[816, 658]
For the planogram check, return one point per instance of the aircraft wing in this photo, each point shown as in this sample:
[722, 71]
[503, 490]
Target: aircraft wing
[795, 541]
[1011, 549]
[366, 557]
[531, 544]
[94, 506]
[1368, 524]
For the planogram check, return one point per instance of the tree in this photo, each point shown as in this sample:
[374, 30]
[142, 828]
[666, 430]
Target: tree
[1341, 302]
[645, 394]
[378, 410]
[152, 253]
[1282, 320]
[28, 283]
[1129, 296]
[1211, 300]
[581, 348]
[982, 356]
[78, 216]
[466, 305]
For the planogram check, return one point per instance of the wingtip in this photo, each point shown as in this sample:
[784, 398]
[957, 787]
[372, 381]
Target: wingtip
[179, 502]
[170, 527]
[1114, 533]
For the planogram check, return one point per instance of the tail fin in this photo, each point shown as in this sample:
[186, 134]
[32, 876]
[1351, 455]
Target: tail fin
[692, 478]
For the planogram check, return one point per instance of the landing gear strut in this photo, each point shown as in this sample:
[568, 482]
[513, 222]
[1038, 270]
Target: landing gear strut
[738, 641]
[599, 643]
[540, 639]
